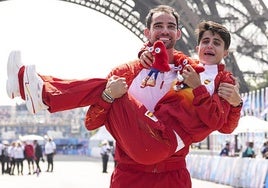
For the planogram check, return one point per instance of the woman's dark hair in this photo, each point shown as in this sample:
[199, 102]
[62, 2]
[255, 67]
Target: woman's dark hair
[214, 28]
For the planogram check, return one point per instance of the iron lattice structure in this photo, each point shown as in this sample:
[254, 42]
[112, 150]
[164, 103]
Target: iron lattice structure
[247, 20]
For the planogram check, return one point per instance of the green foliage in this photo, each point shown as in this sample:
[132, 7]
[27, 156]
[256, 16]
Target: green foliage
[256, 81]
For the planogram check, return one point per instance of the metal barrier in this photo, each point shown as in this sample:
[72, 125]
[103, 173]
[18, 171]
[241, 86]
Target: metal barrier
[233, 171]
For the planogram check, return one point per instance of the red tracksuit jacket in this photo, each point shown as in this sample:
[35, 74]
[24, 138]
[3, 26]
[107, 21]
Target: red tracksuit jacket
[146, 149]
[144, 144]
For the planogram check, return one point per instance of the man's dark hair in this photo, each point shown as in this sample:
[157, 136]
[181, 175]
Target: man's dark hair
[162, 8]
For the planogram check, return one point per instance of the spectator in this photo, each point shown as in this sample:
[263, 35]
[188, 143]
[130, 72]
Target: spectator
[264, 150]
[12, 158]
[112, 146]
[29, 156]
[19, 157]
[38, 155]
[249, 152]
[105, 150]
[50, 151]
[225, 151]
[5, 157]
[1, 155]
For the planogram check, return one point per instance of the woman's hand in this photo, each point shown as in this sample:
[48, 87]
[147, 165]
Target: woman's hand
[230, 93]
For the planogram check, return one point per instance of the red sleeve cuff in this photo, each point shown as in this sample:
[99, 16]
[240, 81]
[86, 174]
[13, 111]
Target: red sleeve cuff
[236, 109]
[200, 90]
[104, 104]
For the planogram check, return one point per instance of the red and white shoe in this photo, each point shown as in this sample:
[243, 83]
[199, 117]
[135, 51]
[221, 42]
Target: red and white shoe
[33, 87]
[13, 66]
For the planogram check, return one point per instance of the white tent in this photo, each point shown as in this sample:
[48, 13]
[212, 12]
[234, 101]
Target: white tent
[250, 128]
[96, 139]
[31, 138]
[251, 124]
[102, 134]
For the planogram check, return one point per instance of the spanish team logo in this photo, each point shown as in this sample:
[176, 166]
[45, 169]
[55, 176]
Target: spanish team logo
[151, 116]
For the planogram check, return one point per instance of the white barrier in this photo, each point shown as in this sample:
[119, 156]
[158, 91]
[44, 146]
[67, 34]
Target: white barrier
[233, 171]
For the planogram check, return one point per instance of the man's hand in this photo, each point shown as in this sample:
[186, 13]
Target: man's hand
[230, 92]
[146, 59]
[116, 87]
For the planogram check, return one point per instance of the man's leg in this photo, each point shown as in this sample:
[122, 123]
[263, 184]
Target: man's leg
[48, 162]
[29, 166]
[52, 163]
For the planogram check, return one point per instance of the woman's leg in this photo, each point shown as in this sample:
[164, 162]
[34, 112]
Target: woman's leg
[47, 92]
[58, 94]
[139, 133]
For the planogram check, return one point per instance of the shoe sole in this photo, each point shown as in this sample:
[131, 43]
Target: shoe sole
[13, 78]
[33, 98]
[28, 97]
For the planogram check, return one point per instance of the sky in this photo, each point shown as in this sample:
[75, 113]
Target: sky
[62, 39]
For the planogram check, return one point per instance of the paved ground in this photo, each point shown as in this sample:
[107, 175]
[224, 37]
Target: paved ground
[74, 173]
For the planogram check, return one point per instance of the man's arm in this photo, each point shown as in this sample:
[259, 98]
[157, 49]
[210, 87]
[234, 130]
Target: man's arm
[97, 113]
[116, 87]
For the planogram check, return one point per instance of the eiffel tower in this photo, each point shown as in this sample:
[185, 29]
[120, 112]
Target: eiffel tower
[247, 20]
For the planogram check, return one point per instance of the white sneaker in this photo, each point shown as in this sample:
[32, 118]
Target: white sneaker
[13, 66]
[33, 87]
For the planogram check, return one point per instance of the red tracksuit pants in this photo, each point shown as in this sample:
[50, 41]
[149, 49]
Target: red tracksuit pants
[145, 141]
[125, 120]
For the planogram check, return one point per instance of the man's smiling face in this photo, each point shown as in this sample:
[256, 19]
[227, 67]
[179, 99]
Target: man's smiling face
[163, 27]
